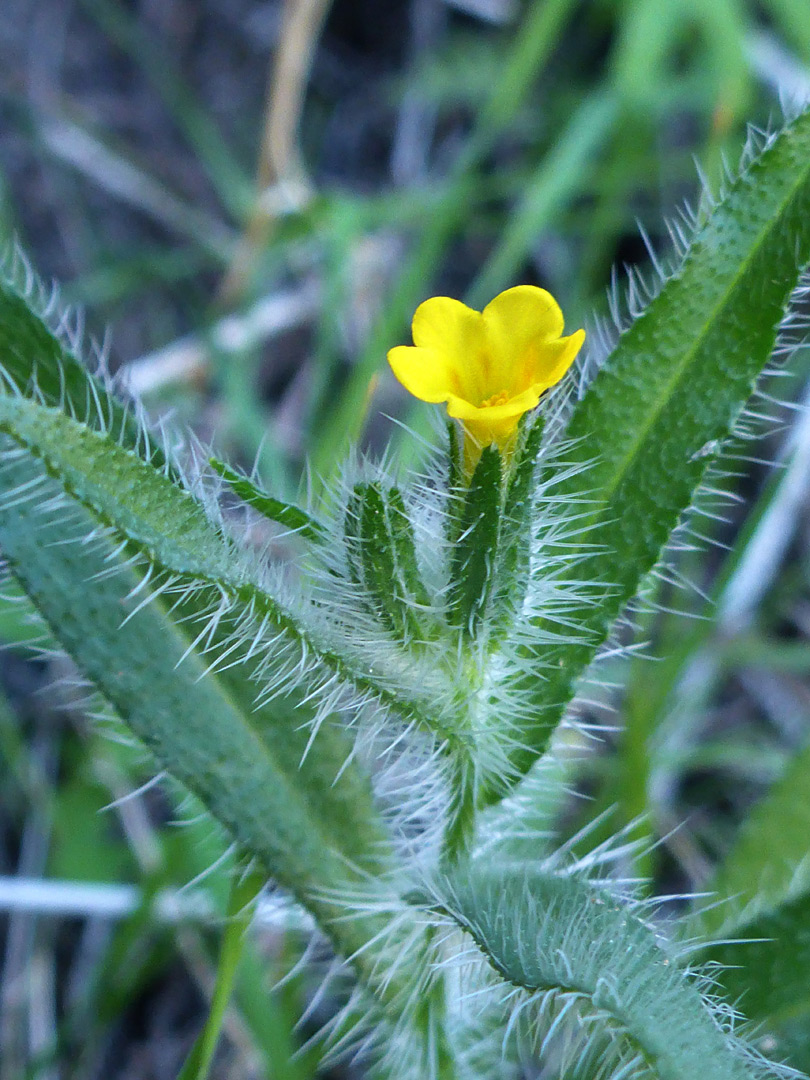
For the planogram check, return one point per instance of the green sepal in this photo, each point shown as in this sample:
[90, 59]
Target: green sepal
[401, 530]
[291, 517]
[455, 484]
[518, 504]
[382, 557]
[377, 559]
[473, 559]
[515, 537]
[351, 533]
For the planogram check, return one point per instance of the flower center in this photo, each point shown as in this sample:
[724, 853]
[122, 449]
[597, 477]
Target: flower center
[496, 399]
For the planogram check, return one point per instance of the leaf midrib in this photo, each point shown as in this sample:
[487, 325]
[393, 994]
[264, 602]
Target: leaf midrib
[313, 901]
[244, 590]
[689, 356]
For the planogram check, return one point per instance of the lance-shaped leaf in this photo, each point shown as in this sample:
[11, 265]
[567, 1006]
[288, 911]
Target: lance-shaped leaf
[400, 530]
[556, 934]
[286, 514]
[169, 524]
[307, 816]
[37, 363]
[666, 399]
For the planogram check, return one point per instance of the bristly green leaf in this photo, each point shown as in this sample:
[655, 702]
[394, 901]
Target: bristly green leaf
[472, 567]
[289, 807]
[291, 517]
[666, 399]
[549, 932]
[166, 520]
[168, 524]
[34, 362]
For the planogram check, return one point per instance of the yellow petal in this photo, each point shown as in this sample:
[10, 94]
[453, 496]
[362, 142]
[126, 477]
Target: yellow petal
[552, 360]
[451, 329]
[483, 432]
[514, 407]
[423, 372]
[517, 324]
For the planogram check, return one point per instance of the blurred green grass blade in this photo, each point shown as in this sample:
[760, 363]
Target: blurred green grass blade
[725, 28]
[694, 654]
[183, 713]
[669, 395]
[547, 932]
[628, 93]
[272, 1014]
[558, 179]
[233, 185]
[247, 428]
[238, 916]
[646, 32]
[535, 40]
[791, 15]
[344, 422]
[118, 278]
[21, 775]
[191, 847]
[83, 846]
[765, 969]
[532, 44]
[769, 863]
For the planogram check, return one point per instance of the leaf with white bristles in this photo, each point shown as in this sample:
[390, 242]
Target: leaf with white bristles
[662, 405]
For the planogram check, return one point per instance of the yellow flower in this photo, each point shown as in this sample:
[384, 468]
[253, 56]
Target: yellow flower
[490, 366]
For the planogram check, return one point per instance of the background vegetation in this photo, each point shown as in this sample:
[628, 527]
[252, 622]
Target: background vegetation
[425, 148]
